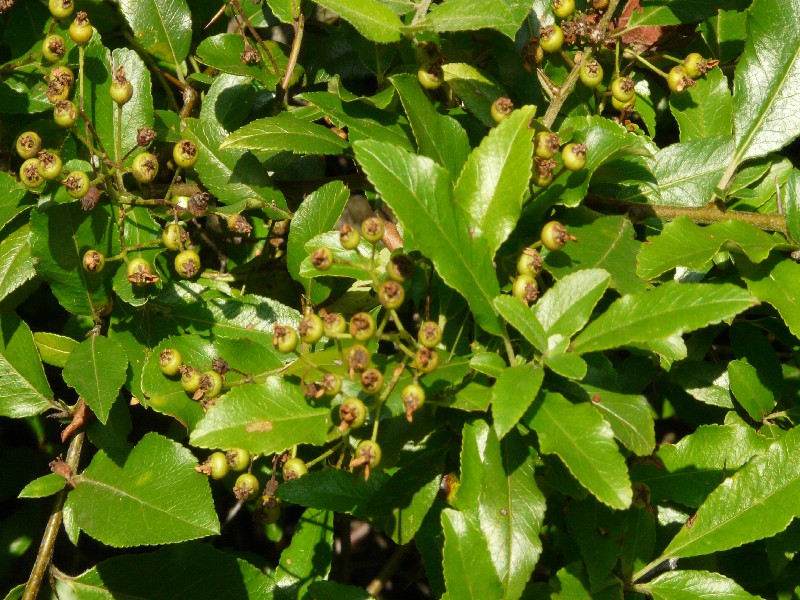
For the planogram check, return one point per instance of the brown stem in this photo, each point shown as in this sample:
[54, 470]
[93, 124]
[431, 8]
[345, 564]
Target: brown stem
[572, 78]
[711, 213]
[45, 554]
[238, 7]
[298, 24]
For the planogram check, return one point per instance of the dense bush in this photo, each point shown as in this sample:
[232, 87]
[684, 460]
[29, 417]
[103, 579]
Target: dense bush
[465, 299]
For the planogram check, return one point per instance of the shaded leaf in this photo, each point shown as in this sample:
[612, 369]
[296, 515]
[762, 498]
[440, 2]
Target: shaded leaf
[96, 369]
[754, 396]
[308, 556]
[24, 390]
[332, 489]
[776, 281]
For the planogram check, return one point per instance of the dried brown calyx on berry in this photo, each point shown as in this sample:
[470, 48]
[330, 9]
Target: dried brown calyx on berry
[5, 5]
[239, 224]
[198, 203]
[249, 55]
[220, 365]
[90, 198]
[145, 136]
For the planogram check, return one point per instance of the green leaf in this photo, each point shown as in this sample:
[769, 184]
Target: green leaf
[438, 136]
[162, 27]
[597, 530]
[566, 307]
[419, 192]
[580, 437]
[756, 398]
[630, 416]
[675, 12]
[512, 394]
[372, 19]
[468, 15]
[173, 573]
[53, 348]
[776, 281]
[638, 543]
[263, 418]
[352, 264]
[474, 88]
[318, 214]
[232, 175]
[285, 132]
[14, 198]
[222, 52]
[692, 468]
[308, 557]
[511, 511]
[468, 569]
[724, 33]
[791, 199]
[766, 108]
[334, 489]
[24, 390]
[566, 365]
[138, 111]
[604, 242]
[688, 172]
[695, 585]
[134, 503]
[491, 187]
[331, 590]
[670, 309]
[705, 381]
[60, 236]
[43, 486]
[140, 229]
[96, 369]
[704, 110]
[488, 363]
[229, 100]
[363, 121]
[682, 243]
[16, 262]
[604, 140]
[523, 319]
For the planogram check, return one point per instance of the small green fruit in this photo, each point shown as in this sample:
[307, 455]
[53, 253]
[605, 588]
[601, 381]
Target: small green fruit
[284, 339]
[373, 229]
[185, 154]
[501, 108]
[61, 9]
[170, 361]
[218, 465]
[173, 237]
[574, 156]
[187, 264]
[53, 48]
[311, 329]
[29, 174]
[77, 184]
[362, 326]
[429, 334]
[80, 30]
[246, 486]
[352, 414]
[294, 468]
[238, 459]
[622, 88]
[93, 261]
[29, 144]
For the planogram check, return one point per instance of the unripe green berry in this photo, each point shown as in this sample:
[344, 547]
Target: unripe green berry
[322, 258]
[246, 486]
[238, 224]
[546, 144]
[80, 30]
[210, 384]
[294, 468]
[311, 329]
[173, 237]
[284, 339]
[678, 79]
[352, 414]
[391, 295]
[53, 48]
[190, 379]
[93, 261]
[140, 273]
[50, 165]
[349, 237]
[145, 167]
[29, 174]
[268, 510]
[413, 397]
[185, 154]
[65, 113]
[170, 361]
[426, 360]
[554, 235]
[333, 324]
[29, 144]
[501, 108]
[362, 326]
[563, 8]
[430, 76]
[623, 106]
[429, 334]
[591, 73]
[61, 9]
[218, 465]
[62, 74]
[331, 383]
[372, 381]
[77, 184]
[529, 263]
[574, 156]
[187, 264]
[551, 38]
[121, 90]
[400, 267]
[368, 453]
[543, 171]
[238, 459]
[358, 358]
[696, 66]
[622, 88]
[373, 229]
[525, 289]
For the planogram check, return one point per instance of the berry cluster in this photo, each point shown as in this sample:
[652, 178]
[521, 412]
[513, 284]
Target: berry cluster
[554, 236]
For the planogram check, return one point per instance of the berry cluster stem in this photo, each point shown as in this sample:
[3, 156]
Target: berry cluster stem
[566, 88]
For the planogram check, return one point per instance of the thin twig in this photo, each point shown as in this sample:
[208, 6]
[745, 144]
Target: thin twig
[45, 554]
[298, 24]
[238, 7]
